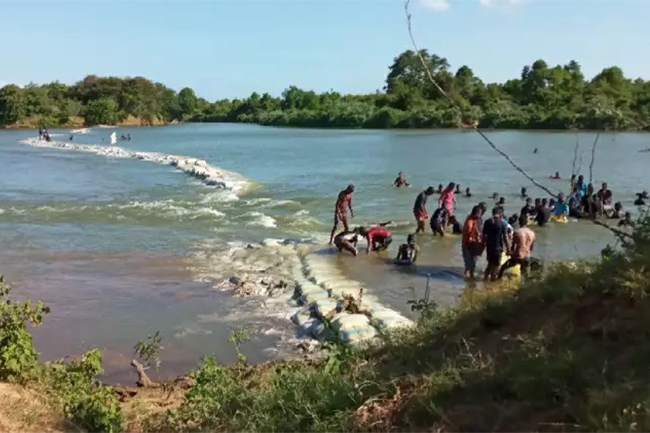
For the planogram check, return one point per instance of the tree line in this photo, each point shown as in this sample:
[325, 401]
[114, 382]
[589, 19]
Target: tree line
[543, 97]
[96, 101]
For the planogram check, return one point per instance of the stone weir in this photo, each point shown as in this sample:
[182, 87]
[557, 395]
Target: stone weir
[197, 168]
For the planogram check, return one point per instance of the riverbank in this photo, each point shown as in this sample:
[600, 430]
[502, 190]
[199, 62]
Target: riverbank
[76, 122]
[562, 351]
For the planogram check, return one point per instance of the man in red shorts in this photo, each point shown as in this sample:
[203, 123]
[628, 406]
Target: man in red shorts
[343, 203]
[378, 238]
[420, 208]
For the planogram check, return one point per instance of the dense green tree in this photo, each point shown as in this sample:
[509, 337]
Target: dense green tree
[12, 104]
[102, 111]
[187, 102]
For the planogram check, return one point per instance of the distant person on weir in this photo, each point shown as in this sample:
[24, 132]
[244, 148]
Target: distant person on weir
[343, 203]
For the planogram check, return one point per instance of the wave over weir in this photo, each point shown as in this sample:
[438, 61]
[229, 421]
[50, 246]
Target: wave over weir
[197, 168]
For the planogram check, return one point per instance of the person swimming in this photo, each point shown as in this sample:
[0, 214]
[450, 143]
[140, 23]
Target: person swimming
[347, 240]
[556, 176]
[502, 202]
[401, 181]
[524, 192]
[494, 196]
[536, 150]
[468, 192]
[407, 254]
[439, 221]
[640, 198]
[457, 189]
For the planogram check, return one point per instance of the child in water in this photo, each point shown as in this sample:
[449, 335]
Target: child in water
[439, 221]
[455, 225]
[468, 193]
[408, 252]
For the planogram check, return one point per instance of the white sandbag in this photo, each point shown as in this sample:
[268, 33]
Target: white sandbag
[309, 298]
[352, 328]
[301, 316]
[323, 307]
[385, 318]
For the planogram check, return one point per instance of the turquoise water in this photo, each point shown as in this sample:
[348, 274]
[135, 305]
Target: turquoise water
[120, 248]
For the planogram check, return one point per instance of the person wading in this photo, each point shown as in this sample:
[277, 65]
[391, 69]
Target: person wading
[343, 203]
[420, 209]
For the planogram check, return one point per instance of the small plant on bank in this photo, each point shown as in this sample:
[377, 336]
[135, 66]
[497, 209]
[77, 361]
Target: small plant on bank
[149, 350]
[239, 335]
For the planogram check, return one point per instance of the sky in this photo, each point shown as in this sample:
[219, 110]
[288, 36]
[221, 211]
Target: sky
[230, 48]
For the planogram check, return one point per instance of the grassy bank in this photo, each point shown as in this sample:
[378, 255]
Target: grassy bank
[563, 351]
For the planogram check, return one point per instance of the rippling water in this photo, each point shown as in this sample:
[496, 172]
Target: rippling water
[122, 247]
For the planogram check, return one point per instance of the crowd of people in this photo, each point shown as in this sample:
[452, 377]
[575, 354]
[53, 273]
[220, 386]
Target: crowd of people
[507, 241]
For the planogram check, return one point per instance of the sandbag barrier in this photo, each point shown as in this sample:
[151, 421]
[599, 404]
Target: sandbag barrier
[321, 290]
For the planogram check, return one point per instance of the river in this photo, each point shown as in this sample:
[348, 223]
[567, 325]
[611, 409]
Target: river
[122, 247]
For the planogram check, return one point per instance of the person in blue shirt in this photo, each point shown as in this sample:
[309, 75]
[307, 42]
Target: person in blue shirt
[561, 207]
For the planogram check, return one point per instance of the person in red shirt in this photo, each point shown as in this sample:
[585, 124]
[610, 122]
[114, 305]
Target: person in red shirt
[343, 203]
[378, 238]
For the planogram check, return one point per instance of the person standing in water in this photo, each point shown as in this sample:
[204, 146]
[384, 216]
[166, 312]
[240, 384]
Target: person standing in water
[343, 203]
[523, 241]
[471, 244]
[420, 209]
[468, 192]
[401, 181]
[447, 199]
[494, 239]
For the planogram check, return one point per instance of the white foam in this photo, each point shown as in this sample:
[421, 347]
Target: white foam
[210, 175]
[259, 219]
[80, 131]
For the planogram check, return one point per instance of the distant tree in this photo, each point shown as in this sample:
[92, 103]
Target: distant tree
[187, 102]
[12, 104]
[103, 111]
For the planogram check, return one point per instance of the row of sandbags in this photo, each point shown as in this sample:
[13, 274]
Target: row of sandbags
[320, 288]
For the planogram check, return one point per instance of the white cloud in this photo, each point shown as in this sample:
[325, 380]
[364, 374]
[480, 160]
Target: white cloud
[436, 5]
[488, 3]
[444, 5]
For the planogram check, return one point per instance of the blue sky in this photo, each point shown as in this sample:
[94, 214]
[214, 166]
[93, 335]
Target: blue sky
[231, 48]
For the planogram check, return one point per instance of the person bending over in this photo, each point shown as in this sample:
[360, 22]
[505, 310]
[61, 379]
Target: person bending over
[347, 240]
[439, 221]
[378, 238]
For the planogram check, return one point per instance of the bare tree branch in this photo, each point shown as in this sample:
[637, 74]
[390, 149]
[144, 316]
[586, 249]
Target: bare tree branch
[575, 156]
[617, 232]
[593, 158]
[453, 103]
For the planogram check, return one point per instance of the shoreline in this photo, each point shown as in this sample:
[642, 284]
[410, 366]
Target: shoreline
[337, 128]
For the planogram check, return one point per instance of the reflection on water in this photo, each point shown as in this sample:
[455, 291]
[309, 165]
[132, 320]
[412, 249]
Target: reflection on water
[121, 248]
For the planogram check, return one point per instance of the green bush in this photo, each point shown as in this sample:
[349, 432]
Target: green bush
[17, 354]
[82, 397]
